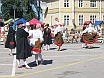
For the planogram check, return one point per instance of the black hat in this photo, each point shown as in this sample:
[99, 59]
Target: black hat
[47, 25]
[20, 22]
[11, 23]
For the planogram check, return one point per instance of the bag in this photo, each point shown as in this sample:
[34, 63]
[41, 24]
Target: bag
[37, 44]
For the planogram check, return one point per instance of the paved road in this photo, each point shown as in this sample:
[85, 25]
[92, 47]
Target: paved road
[72, 62]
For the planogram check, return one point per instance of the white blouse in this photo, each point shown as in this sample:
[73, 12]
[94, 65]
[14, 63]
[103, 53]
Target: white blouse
[58, 29]
[35, 35]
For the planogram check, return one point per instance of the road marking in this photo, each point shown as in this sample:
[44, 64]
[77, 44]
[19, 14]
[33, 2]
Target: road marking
[3, 57]
[14, 66]
[5, 64]
[58, 67]
[8, 77]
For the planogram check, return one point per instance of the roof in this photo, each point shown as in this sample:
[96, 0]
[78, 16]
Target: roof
[10, 20]
[98, 23]
[87, 22]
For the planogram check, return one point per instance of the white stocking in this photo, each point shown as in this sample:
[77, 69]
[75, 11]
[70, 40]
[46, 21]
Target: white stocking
[36, 58]
[18, 62]
[25, 63]
[40, 56]
[48, 47]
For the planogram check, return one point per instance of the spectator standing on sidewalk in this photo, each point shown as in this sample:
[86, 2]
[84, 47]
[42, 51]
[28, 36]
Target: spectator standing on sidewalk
[22, 46]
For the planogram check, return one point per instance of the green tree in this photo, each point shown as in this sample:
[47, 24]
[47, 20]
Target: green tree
[23, 9]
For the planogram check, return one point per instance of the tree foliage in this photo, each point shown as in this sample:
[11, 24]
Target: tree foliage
[23, 9]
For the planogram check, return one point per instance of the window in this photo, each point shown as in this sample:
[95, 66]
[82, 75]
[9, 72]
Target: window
[80, 19]
[92, 3]
[66, 20]
[80, 3]
[66, 3]
[92, 18]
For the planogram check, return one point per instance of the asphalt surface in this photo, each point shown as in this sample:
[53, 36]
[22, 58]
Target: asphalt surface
[72, 62]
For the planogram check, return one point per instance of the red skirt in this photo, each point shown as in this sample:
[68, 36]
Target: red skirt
[58, 40]
[37, 46]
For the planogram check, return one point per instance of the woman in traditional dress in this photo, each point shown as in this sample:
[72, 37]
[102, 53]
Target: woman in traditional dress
[23, 49]
[35, 42]
[10, 40]
[89, 36]
[58, 40]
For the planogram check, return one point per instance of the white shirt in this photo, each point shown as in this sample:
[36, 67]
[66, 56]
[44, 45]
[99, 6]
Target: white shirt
[58, 29]
[89, 29]
[100, 28]
[36, 34]
[26, 29]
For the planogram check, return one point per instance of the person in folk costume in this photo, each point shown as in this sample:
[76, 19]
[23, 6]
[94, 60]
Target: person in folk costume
[100, 28]
[35, 42]
[2, 34]
[10, 40]
[52, 33]
[47, 37]
[81, 38]
[89, 36]
[27, 28]
[23, 49]
[58, 39]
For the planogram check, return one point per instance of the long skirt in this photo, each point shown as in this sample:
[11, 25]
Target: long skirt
[89, 38]
[58, 40]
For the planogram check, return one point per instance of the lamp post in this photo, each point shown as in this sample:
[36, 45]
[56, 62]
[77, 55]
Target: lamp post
[38, 9]
[14, 9]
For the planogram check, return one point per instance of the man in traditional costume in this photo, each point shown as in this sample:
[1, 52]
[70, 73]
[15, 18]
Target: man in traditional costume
[27, 28]
[47, 37]
[23, 49]
[10, 40]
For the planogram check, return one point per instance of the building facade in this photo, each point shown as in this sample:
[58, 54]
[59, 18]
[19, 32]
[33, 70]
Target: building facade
[73, 13]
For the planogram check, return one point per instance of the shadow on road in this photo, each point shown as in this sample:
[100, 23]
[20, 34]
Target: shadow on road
[46, 62]
[53, 48]
[91, 47]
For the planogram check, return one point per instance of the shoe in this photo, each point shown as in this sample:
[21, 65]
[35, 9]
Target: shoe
[41, 62]
[59, 50]
[89, 47]
[36, 63]
[20, 66]
[11, 54]
[28, 67]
